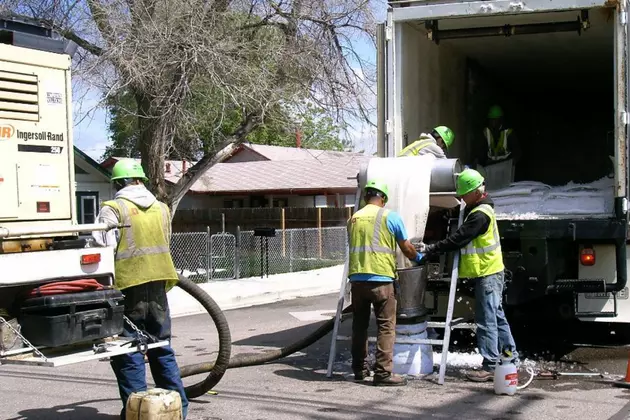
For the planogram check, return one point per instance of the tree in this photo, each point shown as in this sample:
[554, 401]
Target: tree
[250, 57]
[281, 126]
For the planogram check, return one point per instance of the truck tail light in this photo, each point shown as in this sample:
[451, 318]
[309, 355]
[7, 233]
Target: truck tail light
[88, 259]
[587, 256]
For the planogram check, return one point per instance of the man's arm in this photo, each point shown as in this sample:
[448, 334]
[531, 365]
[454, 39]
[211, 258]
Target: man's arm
[107, 238]
[397, 227]
[476, 224]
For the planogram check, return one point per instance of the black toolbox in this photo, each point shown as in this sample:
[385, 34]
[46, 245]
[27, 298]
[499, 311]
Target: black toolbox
[59, 320]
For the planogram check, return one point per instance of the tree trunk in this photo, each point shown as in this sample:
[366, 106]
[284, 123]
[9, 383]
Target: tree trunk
[152, 147]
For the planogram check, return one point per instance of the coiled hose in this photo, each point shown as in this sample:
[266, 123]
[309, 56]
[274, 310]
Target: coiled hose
[217, 369]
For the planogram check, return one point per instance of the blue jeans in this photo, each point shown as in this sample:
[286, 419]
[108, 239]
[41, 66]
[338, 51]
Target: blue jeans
[493, 330]
[146, 306]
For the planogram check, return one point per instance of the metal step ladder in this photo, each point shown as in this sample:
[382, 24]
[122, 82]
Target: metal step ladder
[448, 325]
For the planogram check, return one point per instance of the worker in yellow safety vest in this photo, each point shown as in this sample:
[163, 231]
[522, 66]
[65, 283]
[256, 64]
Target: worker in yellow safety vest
[481, 260]
[437, 143]
[373, 233]
[144, 272]
[501, 142]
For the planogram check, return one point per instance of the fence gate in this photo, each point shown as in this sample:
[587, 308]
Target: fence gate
[223, 250]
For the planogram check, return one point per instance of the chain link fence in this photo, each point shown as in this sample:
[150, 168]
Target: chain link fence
[203, 257]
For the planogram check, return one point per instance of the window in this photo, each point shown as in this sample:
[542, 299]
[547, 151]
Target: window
[87, 207]
[19, 98]
[320, 201]
[233, 204]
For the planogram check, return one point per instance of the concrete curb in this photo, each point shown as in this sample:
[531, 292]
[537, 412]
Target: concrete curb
[241, 293]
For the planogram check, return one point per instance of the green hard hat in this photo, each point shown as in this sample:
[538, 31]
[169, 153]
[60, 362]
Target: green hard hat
[467, 181]
[447, 135]
[378, 185]
[128, 168]
[495, 111]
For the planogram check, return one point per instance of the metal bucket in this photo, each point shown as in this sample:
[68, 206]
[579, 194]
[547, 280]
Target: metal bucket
[444, 175]
[410, 288]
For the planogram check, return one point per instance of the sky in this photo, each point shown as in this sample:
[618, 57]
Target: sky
[92, 137]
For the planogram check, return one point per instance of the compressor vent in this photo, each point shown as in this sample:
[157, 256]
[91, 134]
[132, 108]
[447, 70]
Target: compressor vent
[19, 96]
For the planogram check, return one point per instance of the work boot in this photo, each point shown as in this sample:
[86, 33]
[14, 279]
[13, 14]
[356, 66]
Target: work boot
[480, 375]
[362, 374]
[391, 380]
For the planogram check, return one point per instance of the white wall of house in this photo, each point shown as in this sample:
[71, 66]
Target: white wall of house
[92, 188]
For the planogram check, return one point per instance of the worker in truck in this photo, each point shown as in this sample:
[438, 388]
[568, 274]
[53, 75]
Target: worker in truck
[437, 143]
[481, 261]
[373, 233]
[501, 142]
[144, 272]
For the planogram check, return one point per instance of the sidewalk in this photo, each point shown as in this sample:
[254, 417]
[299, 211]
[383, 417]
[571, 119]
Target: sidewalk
[232, 294]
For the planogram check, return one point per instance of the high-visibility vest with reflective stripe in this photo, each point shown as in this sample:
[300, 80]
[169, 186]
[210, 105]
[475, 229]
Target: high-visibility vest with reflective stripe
[498, 150]
[143, 253]
[482, 256]
[415, 148]
[372, 245]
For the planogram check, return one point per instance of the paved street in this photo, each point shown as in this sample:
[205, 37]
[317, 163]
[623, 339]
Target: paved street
[297, 388]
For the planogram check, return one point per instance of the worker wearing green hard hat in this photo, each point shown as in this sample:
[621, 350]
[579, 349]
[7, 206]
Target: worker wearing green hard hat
[144, 273]
[481, 261]
[436, 143]
[500, 140]
[373, 233]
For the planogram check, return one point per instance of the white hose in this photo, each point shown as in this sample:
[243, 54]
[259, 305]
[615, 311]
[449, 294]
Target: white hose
[531, 378]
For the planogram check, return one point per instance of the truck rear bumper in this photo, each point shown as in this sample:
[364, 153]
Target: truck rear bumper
[37, 267]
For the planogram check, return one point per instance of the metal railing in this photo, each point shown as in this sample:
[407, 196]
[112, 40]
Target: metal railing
[204, 257]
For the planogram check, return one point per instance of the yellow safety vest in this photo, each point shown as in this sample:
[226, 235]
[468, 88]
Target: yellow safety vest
[482, 256]
[498, 150]
[414, 148]
[143, 253]
[372, 245]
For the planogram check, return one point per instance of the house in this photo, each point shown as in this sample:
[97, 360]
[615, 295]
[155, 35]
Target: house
[271, 176]
[92, 186]
[285, 183]
[258, 152]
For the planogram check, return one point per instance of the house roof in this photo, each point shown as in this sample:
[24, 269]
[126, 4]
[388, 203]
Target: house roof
[173, 169]
[91, 162]
[295, 153]
[292, 176]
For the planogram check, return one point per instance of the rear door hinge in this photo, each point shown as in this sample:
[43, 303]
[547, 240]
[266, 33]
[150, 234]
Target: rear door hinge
[623, 18]
[388, 126]
[624, 118]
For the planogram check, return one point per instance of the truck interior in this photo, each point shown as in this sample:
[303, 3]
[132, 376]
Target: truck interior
[553, 77]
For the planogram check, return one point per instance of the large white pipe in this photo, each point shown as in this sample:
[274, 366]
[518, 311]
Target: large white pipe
[43, 230]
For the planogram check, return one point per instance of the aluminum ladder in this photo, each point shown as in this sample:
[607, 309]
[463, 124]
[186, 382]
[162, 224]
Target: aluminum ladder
[448, 325]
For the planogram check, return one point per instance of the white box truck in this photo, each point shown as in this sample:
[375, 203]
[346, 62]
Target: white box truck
[559, 69]
[40, 242]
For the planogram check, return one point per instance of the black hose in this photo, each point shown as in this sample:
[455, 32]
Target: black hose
[217, 369]
[225, 340]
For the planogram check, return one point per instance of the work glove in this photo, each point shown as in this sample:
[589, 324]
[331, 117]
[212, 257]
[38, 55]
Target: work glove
[418, 258]
[420, 246]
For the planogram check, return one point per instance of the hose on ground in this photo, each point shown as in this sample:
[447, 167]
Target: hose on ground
[217, 369]
[216, 372]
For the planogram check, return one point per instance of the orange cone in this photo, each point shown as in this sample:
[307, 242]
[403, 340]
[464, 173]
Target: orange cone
[627, 378]
[625, 382]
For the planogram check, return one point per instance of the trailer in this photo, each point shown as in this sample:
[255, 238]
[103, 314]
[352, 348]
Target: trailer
[559, 69]
[40, 242]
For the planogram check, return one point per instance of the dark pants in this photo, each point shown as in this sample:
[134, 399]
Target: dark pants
[147, 307]
[381, 296]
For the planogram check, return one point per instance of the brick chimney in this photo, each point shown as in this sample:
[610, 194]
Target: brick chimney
[298, 139]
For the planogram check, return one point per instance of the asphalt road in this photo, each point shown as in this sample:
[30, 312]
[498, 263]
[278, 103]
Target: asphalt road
[297, 388]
